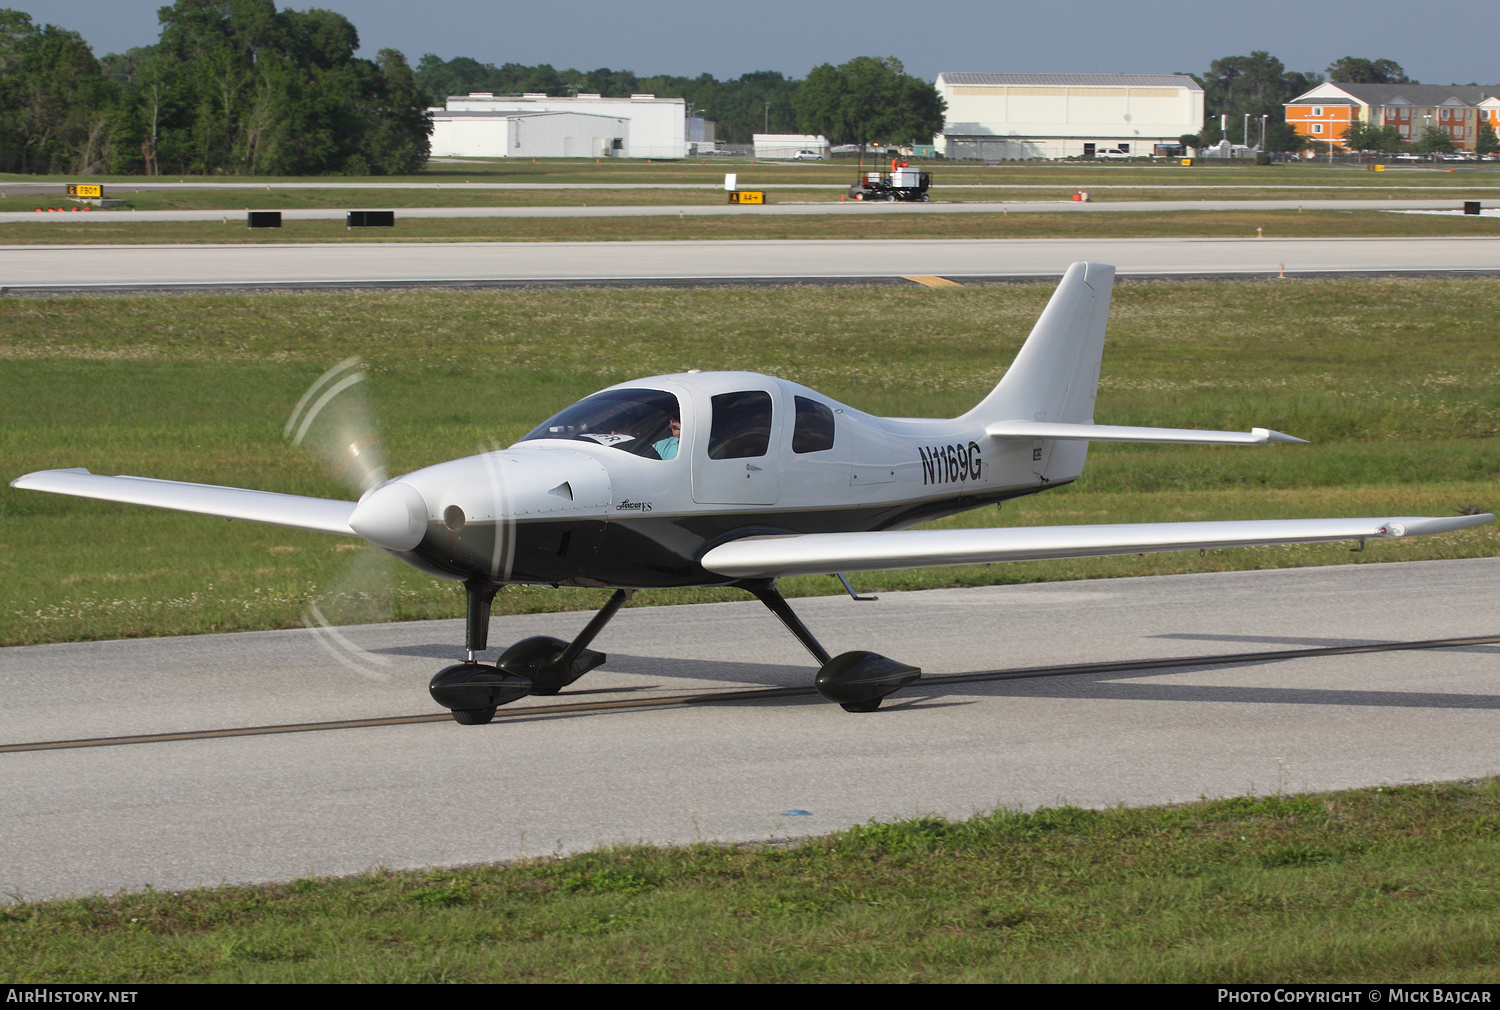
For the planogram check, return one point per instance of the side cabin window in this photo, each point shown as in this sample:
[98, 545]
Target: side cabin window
[813, 431]
[741, 425]
[643, 422]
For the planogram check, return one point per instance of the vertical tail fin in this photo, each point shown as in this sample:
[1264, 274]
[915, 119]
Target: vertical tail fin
[1055, 376]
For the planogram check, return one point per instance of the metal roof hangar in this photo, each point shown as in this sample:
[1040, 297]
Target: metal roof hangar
[998, 117]
[482, 125]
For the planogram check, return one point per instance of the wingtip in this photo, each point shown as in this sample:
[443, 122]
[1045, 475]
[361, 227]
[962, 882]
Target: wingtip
[27, 477]
[1417, 526]
[1277, 436]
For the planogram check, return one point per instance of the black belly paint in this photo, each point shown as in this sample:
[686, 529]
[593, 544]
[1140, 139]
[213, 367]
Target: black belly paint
[655, 551]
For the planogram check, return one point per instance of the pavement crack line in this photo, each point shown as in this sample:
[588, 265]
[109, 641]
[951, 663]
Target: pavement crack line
[755, 694]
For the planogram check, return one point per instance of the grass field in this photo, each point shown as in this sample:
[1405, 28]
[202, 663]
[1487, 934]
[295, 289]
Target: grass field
[1394, 381]
[749, 225]
[711, 170]
[1377, 885]
[700, 194]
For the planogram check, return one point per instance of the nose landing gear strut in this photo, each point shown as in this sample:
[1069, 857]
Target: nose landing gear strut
[539, 665]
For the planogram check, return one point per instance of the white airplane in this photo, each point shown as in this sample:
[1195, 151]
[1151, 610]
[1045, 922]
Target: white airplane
[738, 479]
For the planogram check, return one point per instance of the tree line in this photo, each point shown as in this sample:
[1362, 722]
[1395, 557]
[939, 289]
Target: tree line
[232, 87]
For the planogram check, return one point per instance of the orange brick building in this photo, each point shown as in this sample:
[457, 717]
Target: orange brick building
[1324, 113]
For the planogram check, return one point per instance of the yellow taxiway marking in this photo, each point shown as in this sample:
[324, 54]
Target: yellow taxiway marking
[934, 282]
[757, 694]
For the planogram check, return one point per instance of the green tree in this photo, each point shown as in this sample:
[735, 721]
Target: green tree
[56, 105]
[1357, 70]
[437, 79]
[757, 102]
[1486, 142]
[1363, 136]
[1255, 85]
[1281, 137]
[123, 68]
[397, 133]
[868, 99]
[238, 86]
[1433, 141]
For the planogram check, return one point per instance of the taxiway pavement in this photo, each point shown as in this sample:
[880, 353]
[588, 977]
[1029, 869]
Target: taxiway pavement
[190, 812]
[583, 210]
[104, 267]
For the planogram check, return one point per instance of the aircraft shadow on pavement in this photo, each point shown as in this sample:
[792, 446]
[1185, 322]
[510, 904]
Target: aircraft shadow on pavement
[934, 692]
[1108, 686]
[748, 675]
[1316, 643]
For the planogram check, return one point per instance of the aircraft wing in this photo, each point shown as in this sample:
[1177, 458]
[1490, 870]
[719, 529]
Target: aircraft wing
[763, 557]
[322, 515]
[1064, 431]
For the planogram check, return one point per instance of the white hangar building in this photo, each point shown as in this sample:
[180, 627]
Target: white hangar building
[482, 125]
[999, 117]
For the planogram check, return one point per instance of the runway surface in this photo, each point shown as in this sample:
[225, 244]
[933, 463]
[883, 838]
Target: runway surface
[1295, 712]
[58, 268]
[773, 209]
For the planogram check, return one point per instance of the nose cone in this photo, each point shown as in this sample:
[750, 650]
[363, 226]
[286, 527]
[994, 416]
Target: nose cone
[393, 517]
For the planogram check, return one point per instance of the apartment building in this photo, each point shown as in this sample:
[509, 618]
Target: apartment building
[1324, 113]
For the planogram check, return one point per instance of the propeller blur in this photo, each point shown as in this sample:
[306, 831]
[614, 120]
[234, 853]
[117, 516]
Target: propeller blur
[733, 479]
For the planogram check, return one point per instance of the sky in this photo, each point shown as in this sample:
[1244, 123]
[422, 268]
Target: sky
[1441, 43]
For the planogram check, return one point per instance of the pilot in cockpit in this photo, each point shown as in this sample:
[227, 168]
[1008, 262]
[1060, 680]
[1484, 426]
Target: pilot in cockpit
[643, 422]
[666, 448]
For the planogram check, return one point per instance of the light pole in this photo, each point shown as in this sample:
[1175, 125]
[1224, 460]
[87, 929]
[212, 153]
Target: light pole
[1263, 131]
[1247, 131]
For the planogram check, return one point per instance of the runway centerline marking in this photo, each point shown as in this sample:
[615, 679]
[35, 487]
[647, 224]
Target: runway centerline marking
[755, 694]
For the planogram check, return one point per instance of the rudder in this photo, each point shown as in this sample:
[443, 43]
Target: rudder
[1055, 376]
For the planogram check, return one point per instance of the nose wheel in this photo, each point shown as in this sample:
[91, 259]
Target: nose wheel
[473, 691]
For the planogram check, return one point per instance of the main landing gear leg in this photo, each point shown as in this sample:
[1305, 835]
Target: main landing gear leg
[471, 689]
[551, 664]
[858, 681]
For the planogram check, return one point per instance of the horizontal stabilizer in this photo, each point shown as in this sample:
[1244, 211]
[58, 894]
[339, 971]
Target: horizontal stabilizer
[322, 515]
[1124, 433]
[772, 557]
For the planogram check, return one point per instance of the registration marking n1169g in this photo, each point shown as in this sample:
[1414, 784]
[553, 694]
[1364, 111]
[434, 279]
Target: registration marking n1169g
[950, 464]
